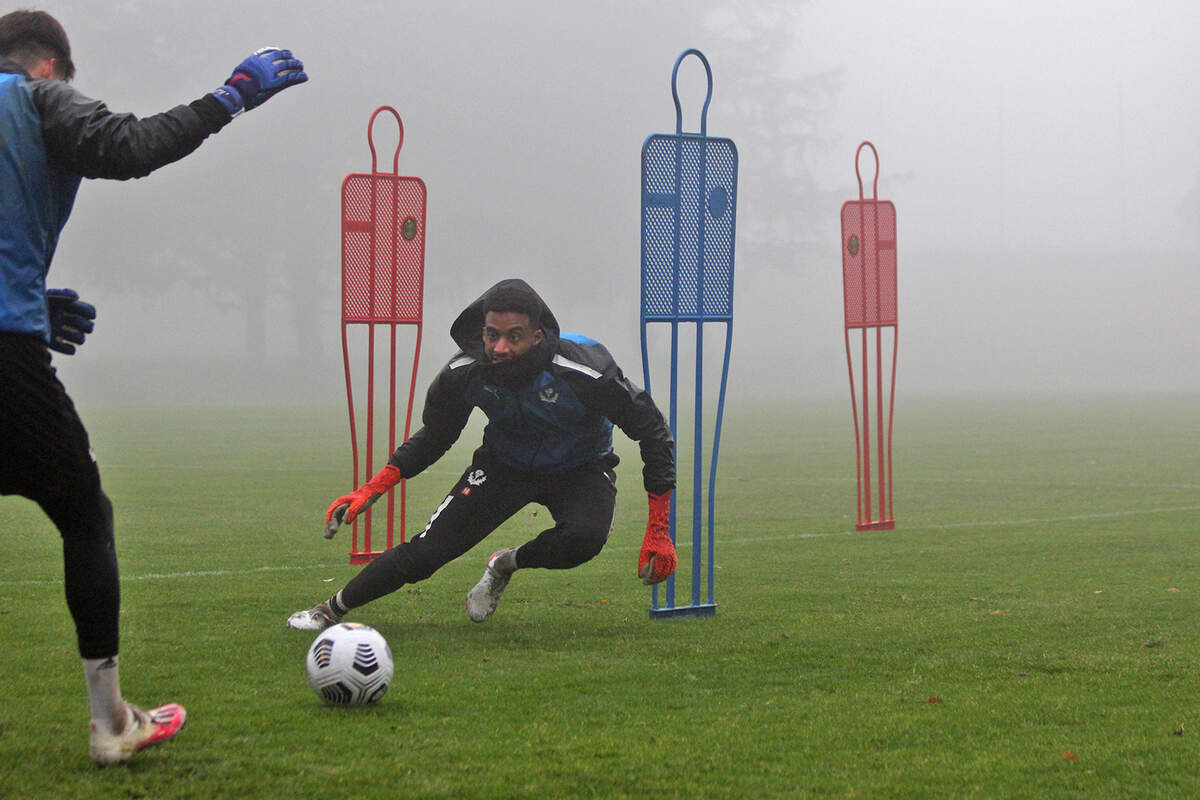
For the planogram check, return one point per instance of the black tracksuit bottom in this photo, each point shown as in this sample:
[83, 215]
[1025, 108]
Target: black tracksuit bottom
[581, 502]
[45, 456]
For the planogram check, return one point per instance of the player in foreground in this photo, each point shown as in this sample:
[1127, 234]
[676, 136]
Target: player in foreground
[51, 136]
[551, 400]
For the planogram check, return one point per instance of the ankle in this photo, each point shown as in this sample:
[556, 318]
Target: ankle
[337, 608]
[116, 723]
[103, 679]
[506, 562]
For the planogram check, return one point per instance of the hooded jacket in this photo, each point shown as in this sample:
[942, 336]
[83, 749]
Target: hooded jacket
[51, 136]
[550, 411]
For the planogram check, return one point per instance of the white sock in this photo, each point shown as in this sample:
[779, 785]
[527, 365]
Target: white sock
[104, 692]
[506, 562]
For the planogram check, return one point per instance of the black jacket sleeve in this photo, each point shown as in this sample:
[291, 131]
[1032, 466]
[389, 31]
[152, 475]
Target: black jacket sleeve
[631, 409]
[83, 136]
[443, 419]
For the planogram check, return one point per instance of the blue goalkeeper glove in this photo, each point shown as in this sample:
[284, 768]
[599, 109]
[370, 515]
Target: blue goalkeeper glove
[70, 319]
[259, 77]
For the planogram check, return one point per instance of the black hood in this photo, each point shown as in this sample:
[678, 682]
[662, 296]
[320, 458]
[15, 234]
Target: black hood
[467, 333]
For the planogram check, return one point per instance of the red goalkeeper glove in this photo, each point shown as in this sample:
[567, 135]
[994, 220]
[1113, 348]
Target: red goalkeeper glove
[346, 508]
[657, 560]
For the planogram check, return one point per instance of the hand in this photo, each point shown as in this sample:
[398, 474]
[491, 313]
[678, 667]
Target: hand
[345, 509]
[657, 560]
[70, 319]
[258, 78]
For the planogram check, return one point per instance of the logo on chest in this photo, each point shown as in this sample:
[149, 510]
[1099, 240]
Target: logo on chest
[548, 395]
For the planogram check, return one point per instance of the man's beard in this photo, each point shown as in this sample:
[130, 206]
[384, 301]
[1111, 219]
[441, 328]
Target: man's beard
[515, 373]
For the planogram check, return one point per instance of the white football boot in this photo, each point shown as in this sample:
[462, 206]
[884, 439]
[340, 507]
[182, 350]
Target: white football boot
[485, 596]
[142, 729]
[317, 618]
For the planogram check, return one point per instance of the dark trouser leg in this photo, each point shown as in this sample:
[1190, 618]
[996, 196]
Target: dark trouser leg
[45, 456]
[482, 499]
[90, 570]
[581, 503]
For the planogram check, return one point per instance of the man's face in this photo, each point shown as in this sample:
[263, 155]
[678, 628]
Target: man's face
[508, 335]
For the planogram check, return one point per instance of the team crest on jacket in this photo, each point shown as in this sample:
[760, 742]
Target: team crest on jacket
[476, 478]
[548, 395]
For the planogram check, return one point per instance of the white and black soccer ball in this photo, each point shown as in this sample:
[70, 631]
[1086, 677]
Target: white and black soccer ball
[350, 665]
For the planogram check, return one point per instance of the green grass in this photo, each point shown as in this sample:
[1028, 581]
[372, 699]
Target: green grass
[1038, 600]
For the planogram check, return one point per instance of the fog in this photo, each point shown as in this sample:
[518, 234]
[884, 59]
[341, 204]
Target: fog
[1040, 157]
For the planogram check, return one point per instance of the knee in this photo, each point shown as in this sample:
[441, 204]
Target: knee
[102, 513]
[567, 545]
[96, 516]
[588, 541]
[406, 563]
[85, 516]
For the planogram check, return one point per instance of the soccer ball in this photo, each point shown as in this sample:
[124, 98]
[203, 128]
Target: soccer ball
[350, 665]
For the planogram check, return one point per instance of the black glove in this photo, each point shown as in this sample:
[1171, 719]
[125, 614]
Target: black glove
[70, 319]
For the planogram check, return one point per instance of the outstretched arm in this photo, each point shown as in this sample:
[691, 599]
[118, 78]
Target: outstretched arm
[445, 415]
[347, 507]
[633, 411]
[85, 137]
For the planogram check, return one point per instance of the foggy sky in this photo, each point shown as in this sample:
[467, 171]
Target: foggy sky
[1040, 158]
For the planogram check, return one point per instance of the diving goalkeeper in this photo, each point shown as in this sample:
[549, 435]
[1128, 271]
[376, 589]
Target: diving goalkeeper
[551, 400]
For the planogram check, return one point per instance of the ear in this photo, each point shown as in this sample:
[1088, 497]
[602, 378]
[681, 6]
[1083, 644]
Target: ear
[45, 69]
[538, 336]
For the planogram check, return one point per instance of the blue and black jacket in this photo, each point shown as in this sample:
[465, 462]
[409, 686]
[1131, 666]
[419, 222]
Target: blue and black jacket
[51, 136]
[555, 413]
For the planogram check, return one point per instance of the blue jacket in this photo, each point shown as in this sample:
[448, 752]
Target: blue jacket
[35, 202]
[553, 412]
[51, 136]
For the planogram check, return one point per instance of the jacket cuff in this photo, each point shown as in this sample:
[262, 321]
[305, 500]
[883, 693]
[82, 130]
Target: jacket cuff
[210, 110]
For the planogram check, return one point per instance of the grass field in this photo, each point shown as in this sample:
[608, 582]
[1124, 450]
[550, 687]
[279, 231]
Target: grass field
[1029, 630]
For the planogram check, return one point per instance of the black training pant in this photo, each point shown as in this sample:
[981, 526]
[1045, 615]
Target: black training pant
[45, 456]
[580, 501]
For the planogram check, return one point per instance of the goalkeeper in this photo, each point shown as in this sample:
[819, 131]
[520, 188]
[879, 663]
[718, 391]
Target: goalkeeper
[551, 400]
[51, 136]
